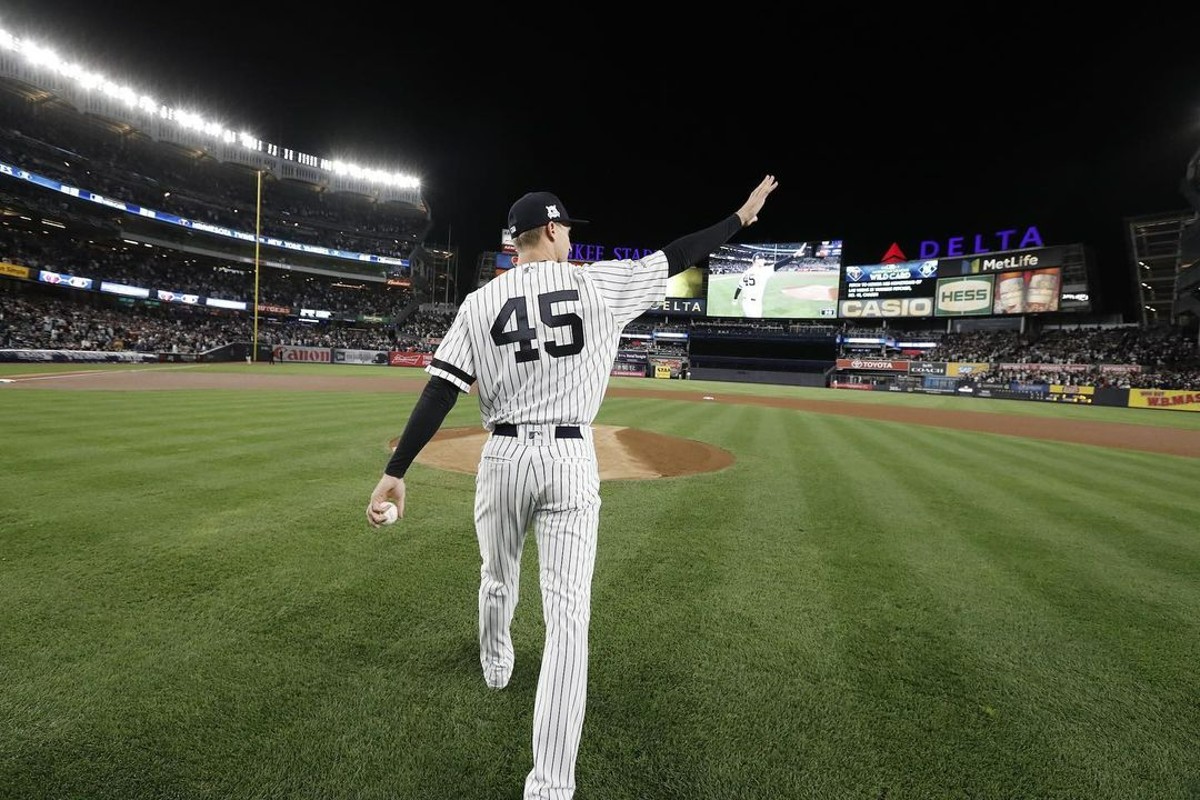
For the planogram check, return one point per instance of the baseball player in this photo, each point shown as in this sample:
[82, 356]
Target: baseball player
[538, 341]
[753, 283]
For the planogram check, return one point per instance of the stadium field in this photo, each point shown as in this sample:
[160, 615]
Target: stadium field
[859, 607]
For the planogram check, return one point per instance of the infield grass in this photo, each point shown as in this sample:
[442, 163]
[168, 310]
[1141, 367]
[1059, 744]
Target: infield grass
[194, 607]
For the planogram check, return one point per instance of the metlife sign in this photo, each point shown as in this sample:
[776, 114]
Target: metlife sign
[1039, 258]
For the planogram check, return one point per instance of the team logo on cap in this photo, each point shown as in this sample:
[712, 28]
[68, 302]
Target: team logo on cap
[552, 212]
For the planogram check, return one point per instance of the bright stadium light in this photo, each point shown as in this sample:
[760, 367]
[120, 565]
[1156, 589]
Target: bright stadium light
[47, 59]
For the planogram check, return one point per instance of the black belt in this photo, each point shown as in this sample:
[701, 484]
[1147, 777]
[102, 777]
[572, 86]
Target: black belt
[560, 431]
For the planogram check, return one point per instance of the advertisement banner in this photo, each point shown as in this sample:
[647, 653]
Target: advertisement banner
[404, 358]
[1062, 393]
[177, 297]
[1040, 367]
[900, 279]
[1012, 391]
[307, 355]
[927, 368]
[873, 364]
[344, 356]
[666, 367]
[965, 369]
[124, 289]
[80, 356]
[1029, 292]
[1038, 258]
[13, 270]
[683, 306]
[961, 297]
[62, 279]
[627, 369]
[273, 309]
[886, 307]
[1171, 399]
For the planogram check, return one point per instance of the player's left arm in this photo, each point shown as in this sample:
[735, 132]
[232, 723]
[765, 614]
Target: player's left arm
[435, 402]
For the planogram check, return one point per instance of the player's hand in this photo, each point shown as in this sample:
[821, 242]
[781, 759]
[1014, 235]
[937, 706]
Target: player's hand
[748, 213]
[388, 488]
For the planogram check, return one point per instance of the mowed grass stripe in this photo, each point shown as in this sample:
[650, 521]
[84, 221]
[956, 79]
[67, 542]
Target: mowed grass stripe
[220, 587]
[919, 534]
[695, 624]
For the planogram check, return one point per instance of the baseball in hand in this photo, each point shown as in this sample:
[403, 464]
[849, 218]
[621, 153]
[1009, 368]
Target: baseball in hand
[390, 513]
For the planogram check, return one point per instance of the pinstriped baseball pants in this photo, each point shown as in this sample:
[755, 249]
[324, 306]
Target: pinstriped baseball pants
[553, 485]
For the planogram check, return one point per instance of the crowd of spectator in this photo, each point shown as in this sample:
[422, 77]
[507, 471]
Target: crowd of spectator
[59, 143]
[172, 270]
[41, 317]
[38, 320]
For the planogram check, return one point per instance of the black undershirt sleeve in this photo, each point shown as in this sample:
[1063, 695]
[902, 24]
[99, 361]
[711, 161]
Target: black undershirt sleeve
[435, 402]
[687, 250]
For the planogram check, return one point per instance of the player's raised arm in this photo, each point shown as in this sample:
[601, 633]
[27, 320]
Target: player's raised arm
[689, 249]
[748, 213]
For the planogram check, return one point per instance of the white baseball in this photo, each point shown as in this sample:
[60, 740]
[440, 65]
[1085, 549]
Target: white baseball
[390, 513]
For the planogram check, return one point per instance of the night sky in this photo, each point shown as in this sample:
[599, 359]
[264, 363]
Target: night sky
[880, 129]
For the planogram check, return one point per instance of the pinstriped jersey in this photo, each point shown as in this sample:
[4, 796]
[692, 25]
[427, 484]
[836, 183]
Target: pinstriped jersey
[540, 339]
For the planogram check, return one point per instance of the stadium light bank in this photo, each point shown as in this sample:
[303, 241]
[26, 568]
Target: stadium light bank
[47, 59]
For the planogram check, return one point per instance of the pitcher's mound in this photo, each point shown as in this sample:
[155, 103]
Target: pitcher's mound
[622, 453]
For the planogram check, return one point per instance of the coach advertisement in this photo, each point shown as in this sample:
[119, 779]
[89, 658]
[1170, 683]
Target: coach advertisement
[926, 368]
[305, 355]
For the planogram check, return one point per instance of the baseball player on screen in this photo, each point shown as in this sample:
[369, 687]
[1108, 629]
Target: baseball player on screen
[539, 341]
[753, 284]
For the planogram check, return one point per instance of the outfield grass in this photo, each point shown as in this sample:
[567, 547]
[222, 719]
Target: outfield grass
[195, 607]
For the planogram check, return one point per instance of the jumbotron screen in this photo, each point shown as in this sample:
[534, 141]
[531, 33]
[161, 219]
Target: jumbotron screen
[775, 281]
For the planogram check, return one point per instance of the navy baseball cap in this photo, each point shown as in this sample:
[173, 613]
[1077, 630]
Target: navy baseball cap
[534, 210]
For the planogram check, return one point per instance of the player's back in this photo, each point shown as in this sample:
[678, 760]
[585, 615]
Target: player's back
[544, 336]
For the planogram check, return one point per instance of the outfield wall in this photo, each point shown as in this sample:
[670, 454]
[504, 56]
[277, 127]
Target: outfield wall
[973, 379]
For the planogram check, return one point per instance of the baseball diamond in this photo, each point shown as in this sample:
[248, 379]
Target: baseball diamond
[1080, 430]
[870, 597]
